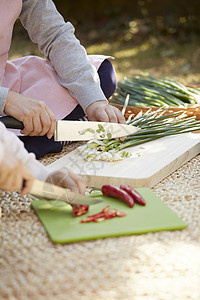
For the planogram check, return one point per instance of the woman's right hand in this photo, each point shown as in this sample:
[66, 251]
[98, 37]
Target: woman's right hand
[37, 118]
[13, 175]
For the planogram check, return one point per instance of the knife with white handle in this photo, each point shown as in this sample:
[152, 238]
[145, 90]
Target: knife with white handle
[80, 130]
[50, 191]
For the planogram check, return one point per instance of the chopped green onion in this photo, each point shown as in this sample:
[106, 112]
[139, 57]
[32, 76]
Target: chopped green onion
[109, 135]
[101, 128]
[153, 125]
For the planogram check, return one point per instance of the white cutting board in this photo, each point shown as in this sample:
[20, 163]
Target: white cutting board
[158, 159]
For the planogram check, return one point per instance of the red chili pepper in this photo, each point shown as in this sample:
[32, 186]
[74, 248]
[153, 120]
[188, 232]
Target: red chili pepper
[114, 191]
[105, 214]
[133, 193]
[80, 210]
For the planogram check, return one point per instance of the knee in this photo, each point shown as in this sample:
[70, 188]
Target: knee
[108, 78]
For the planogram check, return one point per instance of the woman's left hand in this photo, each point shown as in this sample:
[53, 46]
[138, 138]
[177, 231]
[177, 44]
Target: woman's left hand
[67, 179]
[101, 111]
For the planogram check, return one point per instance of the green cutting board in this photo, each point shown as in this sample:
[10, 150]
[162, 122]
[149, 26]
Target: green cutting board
[62, 227]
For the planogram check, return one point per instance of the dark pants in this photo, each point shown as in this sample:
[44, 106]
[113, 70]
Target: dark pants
[41, 145]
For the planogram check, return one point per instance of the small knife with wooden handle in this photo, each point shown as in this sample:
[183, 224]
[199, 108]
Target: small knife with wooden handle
[50, 191]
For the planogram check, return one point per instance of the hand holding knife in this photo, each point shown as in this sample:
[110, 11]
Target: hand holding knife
[73, 130]
[50, 191]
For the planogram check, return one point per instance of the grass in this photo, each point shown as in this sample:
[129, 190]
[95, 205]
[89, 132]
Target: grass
[158, 56]
[182, 62]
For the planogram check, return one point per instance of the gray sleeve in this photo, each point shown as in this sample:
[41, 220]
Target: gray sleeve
[3, 96]
[57, 41]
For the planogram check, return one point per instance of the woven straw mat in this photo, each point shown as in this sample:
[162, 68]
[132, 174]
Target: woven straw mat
[154, 266]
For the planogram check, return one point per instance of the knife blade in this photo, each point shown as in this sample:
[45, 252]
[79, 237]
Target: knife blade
[80, 130]
[84, 131]
[50, 191]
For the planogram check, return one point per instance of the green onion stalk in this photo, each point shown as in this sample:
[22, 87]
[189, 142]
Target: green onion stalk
[153, 125]
[145, 91]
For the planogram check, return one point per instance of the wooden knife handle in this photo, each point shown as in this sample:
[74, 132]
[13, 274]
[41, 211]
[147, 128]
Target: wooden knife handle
[11, 122]
[47, 190]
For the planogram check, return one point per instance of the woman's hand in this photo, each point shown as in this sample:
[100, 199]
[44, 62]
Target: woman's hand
[67, 179]
[13, 174]
[37, 118]
[103, 112]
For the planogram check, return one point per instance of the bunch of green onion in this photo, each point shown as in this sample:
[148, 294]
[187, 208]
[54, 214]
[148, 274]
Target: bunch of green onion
[153, 125]
[145, 91]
